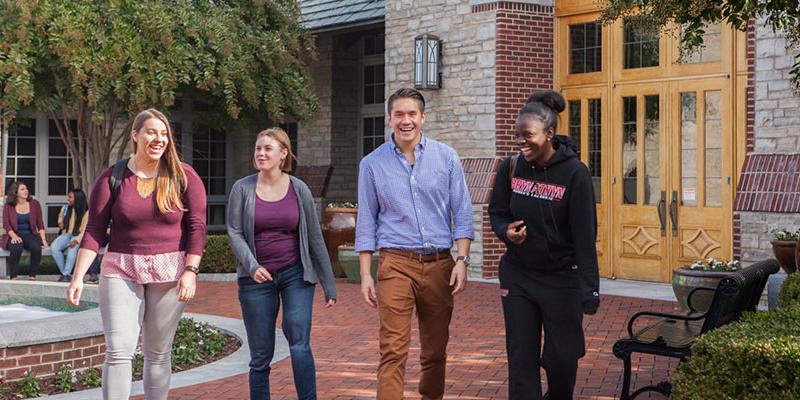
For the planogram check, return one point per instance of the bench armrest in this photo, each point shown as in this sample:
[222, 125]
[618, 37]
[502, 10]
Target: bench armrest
[631, 321]
[691, 293]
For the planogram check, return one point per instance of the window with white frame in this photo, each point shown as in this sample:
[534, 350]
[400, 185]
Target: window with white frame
[208, 159]
[21, 156]
[373, 92]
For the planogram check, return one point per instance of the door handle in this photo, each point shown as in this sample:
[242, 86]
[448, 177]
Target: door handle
[673, 213]
[662, 213]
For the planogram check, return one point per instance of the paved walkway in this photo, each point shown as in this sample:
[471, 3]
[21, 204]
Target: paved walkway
[344, 341]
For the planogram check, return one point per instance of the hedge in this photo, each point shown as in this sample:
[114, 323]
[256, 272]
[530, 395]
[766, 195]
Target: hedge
[218, 255]
[790, 290]
[754, 359]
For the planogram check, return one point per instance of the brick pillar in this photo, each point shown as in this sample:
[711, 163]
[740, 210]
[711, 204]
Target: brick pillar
[524, 62]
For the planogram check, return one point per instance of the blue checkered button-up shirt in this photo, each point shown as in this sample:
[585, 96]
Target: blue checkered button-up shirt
[408, 206]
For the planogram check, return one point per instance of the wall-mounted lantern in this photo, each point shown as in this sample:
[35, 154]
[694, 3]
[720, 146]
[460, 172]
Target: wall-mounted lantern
[427, 55]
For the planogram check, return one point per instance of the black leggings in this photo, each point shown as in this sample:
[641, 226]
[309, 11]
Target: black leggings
[32, 243]
[531, 303]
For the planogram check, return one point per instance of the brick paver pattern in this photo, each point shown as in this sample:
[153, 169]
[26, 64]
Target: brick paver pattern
[345, 346]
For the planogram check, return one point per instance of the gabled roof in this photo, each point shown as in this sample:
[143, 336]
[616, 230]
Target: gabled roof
[321, 14]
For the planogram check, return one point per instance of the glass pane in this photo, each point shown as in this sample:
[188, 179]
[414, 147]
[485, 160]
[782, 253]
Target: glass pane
[369, 74]
[713, 131]
[418, 62]
[629, 185]
[575, 123]
[369, 95]
[595, 151]
[26, 166]
[369, 125]
[216, 214]
[689, 149]
[201, 166]
[218, 150]
[379, 93]
[651, 151]
[52, 215]
[57, 186]
[57, 166]
[640, 46]
[26, 147]
[217, 168]
[216, 186]
[710, 52]
[57, 148]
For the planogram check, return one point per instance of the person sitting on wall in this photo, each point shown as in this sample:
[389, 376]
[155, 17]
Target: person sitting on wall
[72, 221]
[24, 225]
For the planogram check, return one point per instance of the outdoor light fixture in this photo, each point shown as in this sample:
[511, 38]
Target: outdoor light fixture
[427, 53]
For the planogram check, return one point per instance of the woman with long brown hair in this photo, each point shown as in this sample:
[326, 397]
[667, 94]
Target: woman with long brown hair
[24, 225]
[158, 208]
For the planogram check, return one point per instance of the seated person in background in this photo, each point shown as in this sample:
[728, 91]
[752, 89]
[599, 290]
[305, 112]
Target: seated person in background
[72, 223]
[24, 225]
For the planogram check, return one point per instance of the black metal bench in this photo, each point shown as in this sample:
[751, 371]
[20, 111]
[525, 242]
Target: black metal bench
[673, 335]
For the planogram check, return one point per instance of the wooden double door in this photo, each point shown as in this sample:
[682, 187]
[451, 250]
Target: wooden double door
[661, 158]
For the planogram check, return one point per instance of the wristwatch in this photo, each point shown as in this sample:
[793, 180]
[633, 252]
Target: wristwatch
[465, 259]
[193, 269]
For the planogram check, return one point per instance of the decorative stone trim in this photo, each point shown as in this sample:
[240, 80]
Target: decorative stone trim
[529, 6]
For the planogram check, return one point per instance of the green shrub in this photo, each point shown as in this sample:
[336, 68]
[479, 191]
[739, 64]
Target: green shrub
[91, 378]
[757, 358]
[65, 378]
[218, 256]
[790, 291]
[30, 386]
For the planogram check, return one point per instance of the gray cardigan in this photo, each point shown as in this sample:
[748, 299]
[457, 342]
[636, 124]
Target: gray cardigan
[313, 254]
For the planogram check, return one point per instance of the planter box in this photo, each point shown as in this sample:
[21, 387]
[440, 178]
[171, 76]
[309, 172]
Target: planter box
[684, 280]
[338, 227]
[348, 259]
[784, 251]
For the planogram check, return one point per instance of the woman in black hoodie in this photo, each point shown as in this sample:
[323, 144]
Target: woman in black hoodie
[543, 208]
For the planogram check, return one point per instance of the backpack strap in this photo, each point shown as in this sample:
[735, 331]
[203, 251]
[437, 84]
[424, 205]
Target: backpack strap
[115, 180]
[512, 167]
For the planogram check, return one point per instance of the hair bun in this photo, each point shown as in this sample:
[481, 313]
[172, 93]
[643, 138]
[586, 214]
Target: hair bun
[550, 98]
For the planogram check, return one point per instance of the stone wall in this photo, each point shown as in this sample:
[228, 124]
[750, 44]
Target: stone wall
[775, 133]
[461, 113]
[314, 135]
[344, 134]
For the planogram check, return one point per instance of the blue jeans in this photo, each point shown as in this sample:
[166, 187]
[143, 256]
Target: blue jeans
[58, 246]
[260, 303]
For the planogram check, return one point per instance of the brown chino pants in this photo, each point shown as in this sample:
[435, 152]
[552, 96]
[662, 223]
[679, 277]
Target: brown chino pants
[405, 282]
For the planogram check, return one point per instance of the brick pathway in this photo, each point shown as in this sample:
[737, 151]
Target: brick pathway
[345, 346]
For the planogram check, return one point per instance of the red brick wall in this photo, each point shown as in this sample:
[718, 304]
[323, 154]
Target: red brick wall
[45, 359]
[524, 64]
[750, 116]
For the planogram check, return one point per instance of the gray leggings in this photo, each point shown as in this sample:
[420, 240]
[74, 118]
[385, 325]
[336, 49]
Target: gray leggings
[127, 307]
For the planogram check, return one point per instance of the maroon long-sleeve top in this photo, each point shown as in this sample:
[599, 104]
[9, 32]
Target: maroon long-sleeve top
[10, 220]
[139, 227]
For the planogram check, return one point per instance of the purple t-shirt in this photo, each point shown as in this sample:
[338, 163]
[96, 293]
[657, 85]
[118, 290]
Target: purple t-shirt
[276, 222]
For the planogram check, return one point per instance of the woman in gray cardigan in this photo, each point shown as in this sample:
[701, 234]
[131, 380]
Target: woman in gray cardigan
[275, 234]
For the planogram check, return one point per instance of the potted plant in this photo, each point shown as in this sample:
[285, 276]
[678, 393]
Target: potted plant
[348, 259]
[702, 273]
[338, 227]
[784, 243]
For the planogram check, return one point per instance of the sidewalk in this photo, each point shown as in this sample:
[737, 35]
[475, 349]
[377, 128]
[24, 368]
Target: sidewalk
[344, 341]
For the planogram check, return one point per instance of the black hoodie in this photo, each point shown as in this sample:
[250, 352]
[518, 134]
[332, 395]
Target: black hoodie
[556, 202]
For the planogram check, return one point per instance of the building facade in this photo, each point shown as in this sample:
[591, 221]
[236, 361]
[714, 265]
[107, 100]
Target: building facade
[691, 156]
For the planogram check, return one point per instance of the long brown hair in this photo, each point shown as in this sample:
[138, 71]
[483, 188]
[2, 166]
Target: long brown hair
[171, 179]
[13, 189]
[283, 138]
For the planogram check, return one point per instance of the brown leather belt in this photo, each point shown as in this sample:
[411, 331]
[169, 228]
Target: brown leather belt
[418, 257]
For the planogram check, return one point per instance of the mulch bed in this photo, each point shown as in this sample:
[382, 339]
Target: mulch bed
[47, 385]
